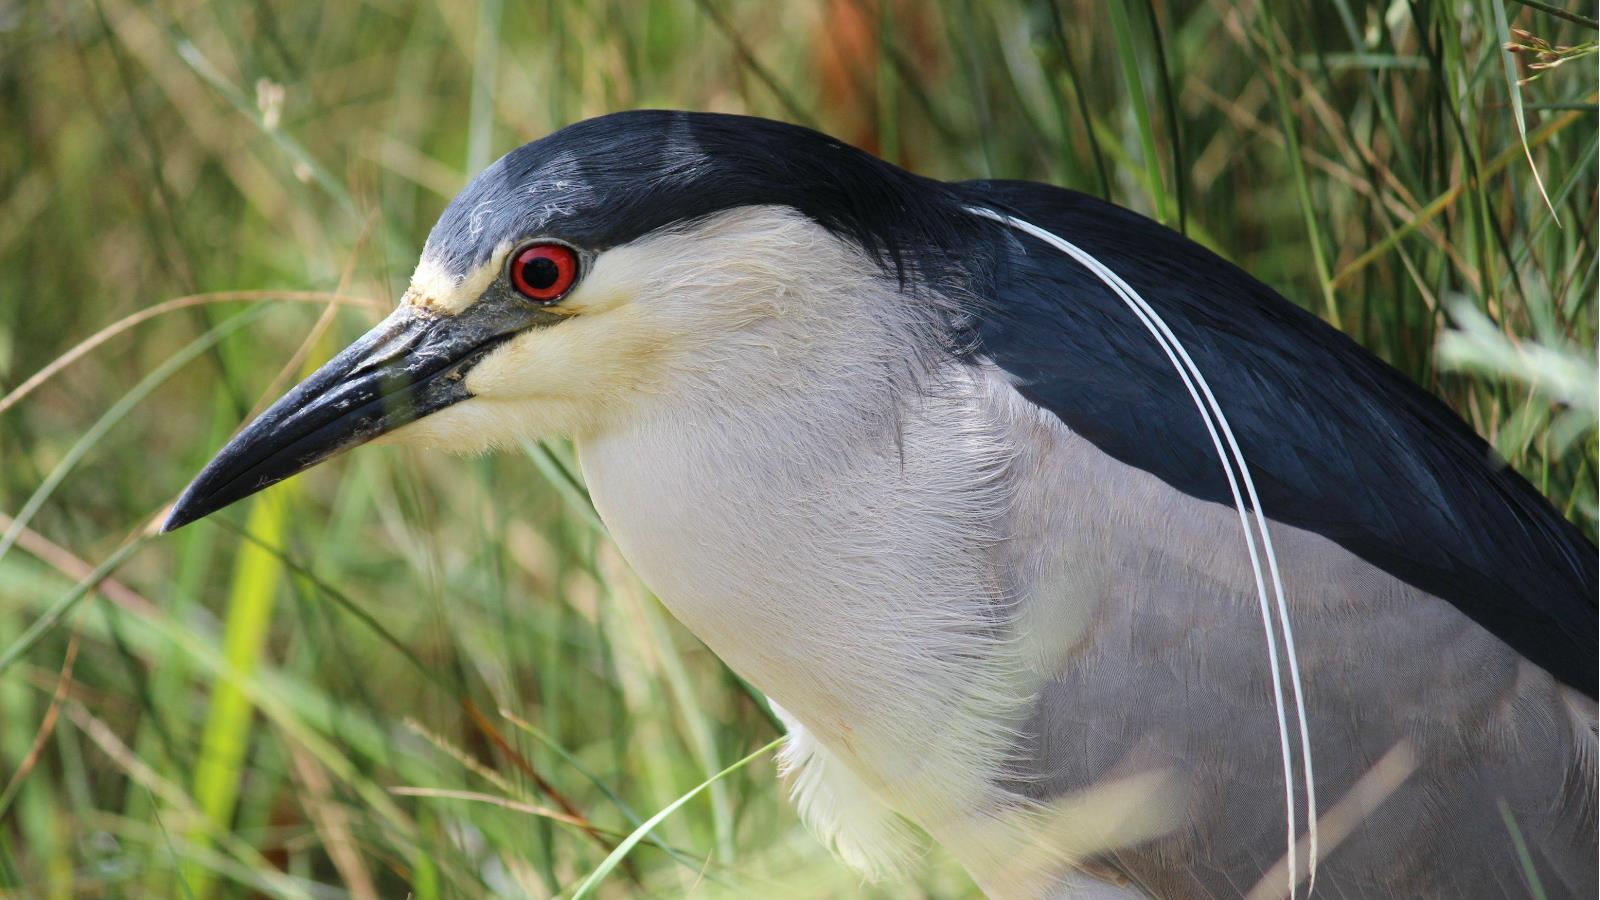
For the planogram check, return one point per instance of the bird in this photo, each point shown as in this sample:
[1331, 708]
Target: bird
[1053, 537]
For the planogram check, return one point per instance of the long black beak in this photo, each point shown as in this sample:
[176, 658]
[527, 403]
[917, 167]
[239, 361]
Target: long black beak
[412, 364]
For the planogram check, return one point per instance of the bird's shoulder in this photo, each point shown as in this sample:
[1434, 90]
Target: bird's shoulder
[1338, 442]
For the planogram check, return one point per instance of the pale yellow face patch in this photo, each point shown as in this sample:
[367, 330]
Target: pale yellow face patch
[437, 290]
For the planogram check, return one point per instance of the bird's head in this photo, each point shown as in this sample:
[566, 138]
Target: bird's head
[576, 276]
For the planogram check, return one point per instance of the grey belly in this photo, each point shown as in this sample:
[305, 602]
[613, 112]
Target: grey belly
[1487, 779]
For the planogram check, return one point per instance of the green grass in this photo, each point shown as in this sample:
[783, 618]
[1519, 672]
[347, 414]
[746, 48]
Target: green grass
[406, 673]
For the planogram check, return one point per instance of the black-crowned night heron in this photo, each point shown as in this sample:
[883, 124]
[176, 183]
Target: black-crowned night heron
[1050, 532]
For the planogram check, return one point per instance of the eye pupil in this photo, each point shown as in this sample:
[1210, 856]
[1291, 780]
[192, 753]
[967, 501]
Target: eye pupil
[540, 272]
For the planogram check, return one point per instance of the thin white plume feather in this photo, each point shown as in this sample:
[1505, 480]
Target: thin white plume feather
[1211, 413]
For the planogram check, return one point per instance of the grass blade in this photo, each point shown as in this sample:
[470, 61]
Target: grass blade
[257, 575]
[1302, 187]
[623, 849]
[1514, 92]
[1128, 56]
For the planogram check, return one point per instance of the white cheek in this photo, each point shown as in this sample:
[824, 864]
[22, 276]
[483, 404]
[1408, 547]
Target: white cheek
[563, 380]
[462, 429]
[477, 425]
[538, 363]
[593, 358]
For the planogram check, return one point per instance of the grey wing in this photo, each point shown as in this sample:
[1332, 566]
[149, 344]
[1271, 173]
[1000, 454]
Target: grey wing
[1444, 613]
[1446, 764]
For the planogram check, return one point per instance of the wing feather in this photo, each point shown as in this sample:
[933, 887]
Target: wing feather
[1339, 442]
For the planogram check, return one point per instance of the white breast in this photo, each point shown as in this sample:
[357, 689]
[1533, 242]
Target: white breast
[841, 566]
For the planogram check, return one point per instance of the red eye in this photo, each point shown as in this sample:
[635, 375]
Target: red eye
[543, 272]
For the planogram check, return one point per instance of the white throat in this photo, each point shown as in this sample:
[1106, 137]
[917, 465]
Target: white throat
[827, 531]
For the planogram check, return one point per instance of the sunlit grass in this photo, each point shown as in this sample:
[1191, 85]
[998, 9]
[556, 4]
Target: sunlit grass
[451, 685]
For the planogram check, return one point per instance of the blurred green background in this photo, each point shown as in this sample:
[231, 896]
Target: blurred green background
[405, 674]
